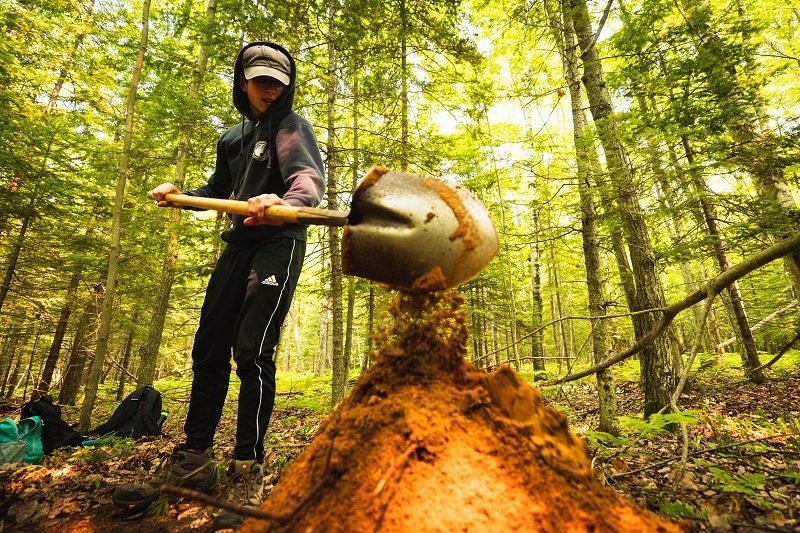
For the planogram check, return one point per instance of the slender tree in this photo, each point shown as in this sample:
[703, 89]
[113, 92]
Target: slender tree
[95, 371]
[148, 352]
[658, 361]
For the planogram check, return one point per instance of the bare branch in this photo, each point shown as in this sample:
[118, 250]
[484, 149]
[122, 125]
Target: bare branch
[599, 29]
[779, 354]
[713, 287]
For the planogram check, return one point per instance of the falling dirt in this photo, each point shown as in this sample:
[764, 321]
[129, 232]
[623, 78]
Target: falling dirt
[433, 280]
[427, 442]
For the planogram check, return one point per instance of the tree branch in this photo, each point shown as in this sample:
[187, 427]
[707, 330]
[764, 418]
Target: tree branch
[599, 29]
[779, 354]
[712, 288]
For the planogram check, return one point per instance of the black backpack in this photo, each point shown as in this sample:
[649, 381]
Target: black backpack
[55, 432]
[139, 414]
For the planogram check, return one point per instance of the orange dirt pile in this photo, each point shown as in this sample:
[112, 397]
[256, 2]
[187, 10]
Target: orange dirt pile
[427, 442]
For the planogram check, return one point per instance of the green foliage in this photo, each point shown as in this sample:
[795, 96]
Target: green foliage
[746, 483]
[159, 507]
[655, 424]
[792, 474]
[111, 449]
[792, 426]
[282, 457]
[601, 439]
[304, 391]
[678, 510]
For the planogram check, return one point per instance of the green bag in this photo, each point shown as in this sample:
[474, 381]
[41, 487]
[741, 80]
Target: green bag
[21, 443]
[12, 450]
[30, 432]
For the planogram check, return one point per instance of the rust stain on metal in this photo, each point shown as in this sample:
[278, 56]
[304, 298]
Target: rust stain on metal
[372, 176]
[465, 229]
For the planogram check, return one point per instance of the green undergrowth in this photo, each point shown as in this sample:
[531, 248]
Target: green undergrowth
[304, 391]
[744, 439]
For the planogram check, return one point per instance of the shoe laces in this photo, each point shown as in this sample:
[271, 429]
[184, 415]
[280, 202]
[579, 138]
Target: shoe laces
[165, 473]
[243, 485]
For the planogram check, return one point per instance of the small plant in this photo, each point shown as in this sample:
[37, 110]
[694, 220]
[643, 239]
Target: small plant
[655, 424]
[159, 507]
[110, 448]
[791, 474]
[678, 510]
[747, 483]
[288, 421]
[283, 459]
[221, 474]
[601, 439]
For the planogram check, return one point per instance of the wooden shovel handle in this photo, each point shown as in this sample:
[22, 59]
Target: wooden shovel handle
[285, 213]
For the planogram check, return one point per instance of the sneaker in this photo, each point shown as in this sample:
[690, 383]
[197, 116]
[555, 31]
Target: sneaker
[245, 487]
[192, 469]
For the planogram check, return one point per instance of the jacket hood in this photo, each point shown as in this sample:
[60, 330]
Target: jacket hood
[282, 106]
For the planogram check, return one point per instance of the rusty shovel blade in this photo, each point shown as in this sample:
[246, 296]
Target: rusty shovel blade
[416, 233]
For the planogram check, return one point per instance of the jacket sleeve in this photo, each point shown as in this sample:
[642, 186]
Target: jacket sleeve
[301, 165]
[219, 184]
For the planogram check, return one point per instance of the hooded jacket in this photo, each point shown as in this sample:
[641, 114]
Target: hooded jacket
[277, 153]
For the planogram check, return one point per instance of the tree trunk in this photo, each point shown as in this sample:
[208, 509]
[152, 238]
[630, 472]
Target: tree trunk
[607, 397]
[114, 250]
[558, 338]
[749, 352]
[370, 323]
[14, 256]
[58, 336]
[298, 349]
[148, 352]
[126, 357]
[348, 333]
[658, 365]
[12, 381]
[403, 37]
[84, 335]
[29, 367]
[12, 340]
[339, 359]
[537, 340]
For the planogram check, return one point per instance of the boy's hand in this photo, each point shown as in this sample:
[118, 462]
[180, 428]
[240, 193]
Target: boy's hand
[258, 206]
[160, 192]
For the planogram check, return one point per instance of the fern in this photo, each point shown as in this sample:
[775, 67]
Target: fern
[747, 483]
[655, 424]
[678, 510]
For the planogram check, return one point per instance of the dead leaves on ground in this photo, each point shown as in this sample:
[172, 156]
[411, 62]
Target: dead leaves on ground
[71, 490]
[743, 473]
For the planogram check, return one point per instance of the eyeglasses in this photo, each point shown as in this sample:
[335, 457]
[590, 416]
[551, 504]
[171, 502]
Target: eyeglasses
[266, 82]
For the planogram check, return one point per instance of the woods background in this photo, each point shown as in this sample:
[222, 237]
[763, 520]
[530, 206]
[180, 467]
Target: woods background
[628, 152]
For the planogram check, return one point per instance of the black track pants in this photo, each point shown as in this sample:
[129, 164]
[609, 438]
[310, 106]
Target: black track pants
[246, 301]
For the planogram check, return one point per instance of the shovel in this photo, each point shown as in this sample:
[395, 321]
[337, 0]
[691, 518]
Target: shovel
[411, 232]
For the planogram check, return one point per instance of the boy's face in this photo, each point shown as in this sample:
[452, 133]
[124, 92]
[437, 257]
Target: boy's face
[261, 92]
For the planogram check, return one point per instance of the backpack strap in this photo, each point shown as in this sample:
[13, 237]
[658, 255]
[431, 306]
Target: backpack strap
[149, 409]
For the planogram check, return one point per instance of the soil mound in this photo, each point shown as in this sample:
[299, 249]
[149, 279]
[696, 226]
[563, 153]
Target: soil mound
[427, 442]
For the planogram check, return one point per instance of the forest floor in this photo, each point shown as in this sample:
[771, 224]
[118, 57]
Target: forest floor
[743, 472]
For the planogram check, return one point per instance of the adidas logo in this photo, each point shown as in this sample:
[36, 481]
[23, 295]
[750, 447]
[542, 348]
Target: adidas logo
[270, 281]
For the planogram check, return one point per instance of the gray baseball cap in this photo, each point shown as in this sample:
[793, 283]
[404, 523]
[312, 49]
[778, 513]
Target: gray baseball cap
[261, 60]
